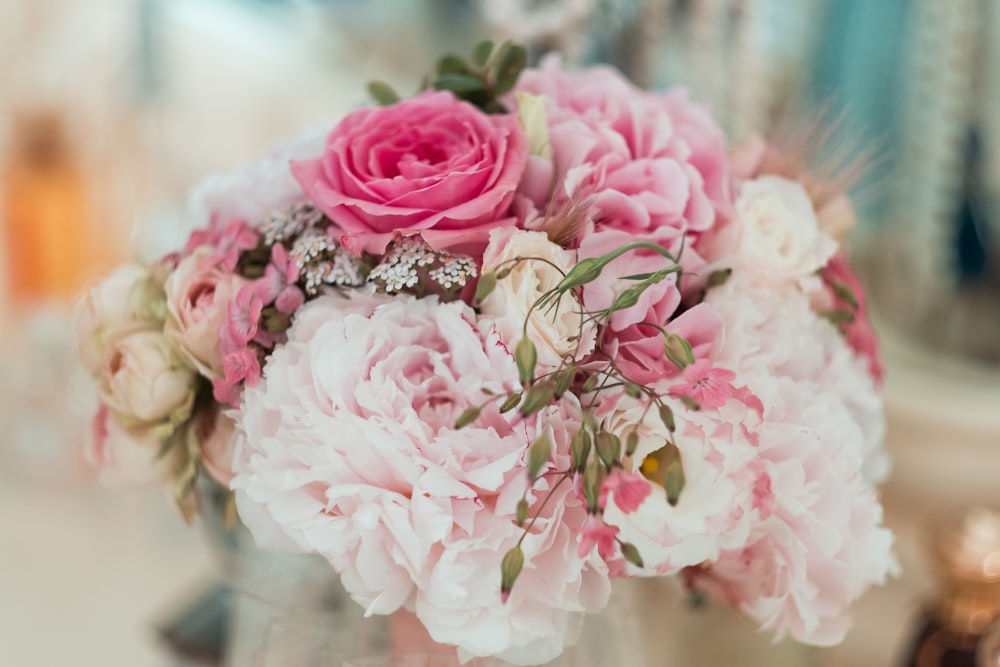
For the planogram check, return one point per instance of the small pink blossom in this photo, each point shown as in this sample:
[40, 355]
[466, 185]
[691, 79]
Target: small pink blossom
[629, 490]
[277, 285]
[244, 319]
[596, 532]
[242, 366]
[709, 386]
[227, 242]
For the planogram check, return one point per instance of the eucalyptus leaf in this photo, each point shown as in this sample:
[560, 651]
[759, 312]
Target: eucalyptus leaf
[481, 52]
[509, 69]
[382, 93]
[459, 83]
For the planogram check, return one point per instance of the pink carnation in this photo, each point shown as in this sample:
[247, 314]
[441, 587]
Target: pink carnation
[655, 166]
[347, 448]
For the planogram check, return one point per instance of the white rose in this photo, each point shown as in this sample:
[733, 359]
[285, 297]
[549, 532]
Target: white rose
[554, 331]
[124, 455]
[109, 311]
[780, 234]
[145, 382]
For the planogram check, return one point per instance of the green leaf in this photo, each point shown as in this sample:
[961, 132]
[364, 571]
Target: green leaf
[838, 317]
[674, 482]
[452, 64]
[844, 293]
[689, 402]
[631, 553]
[382, 93]
[510, 569]
[459, 83]
[481, 52]
[538, 455]
[522, 511]
[526, 357]
[509, 69]
[468, 416]
[487, 283]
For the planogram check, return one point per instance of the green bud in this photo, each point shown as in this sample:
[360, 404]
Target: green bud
[538, 455]
[689, 403]
[673, 484]
[593, 478]
[628, 298]
[844, 293]
[510, 403]
[678, 350]
[717, 278]
[526, 356]
[631, 553]
[468, 416]
[667, 417]
[564, 379]
[609, 448]
[522, 511]
[585, 271]
[590, 384]
[632, 389]
[838, 316]
[537, 398]
[510, 569]
[580, 448]
[631, 442]
[504, 272]
[487, 283]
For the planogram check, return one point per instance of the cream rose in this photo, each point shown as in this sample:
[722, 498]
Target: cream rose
[124, 456]
[112, 309]
[555, 332]
[198, 296]
[781, 237]
[144, 381]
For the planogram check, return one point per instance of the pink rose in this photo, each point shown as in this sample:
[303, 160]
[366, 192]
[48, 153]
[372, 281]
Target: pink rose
[347, 447]
[859, 333]
[431, 165]
[114, 308]
[213, 431]
[198, 296]
[144, 381]
[123, 455]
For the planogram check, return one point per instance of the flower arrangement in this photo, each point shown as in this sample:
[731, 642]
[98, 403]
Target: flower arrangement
[488, 347]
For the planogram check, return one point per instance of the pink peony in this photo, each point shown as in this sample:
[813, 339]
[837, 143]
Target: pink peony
[655, 166]
[431, 165]
[198, 298]
[347, 448]
[713, 511]
[816, 541]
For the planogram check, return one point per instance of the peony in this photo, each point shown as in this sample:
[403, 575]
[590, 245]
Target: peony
[713, 511]
[115, 308]
[198, 297]
[654, 166]
[123, 455]
[819, 543]
[555, 332]
[347, 447]
[779, 238]
[144, 381]
[431, 165]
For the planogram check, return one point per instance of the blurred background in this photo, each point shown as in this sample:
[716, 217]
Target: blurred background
[111, 110]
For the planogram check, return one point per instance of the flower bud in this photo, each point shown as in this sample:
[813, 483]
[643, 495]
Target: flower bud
[678, 351]
[510, 569]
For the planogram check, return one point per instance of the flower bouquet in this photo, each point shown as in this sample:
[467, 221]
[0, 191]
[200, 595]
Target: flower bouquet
[488, 347]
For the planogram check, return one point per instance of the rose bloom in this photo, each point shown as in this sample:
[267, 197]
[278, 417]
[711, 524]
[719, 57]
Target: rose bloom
[144, 381]
[126, 455]
[198, 297]
[431, 164]
[555, 332]
[347, 448]
[820, 542]
[212, 430]
[654, 166]
[112, 309]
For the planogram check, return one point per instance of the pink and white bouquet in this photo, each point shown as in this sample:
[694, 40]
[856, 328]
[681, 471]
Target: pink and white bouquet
[486, 348]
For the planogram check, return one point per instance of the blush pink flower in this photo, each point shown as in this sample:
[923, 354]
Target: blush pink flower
[347, 447]
[277, 285]
[707, 385]
[429, 165]
[627, 489]
[655, 166]
[126, 455]
[227, 241]
[597, 533]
